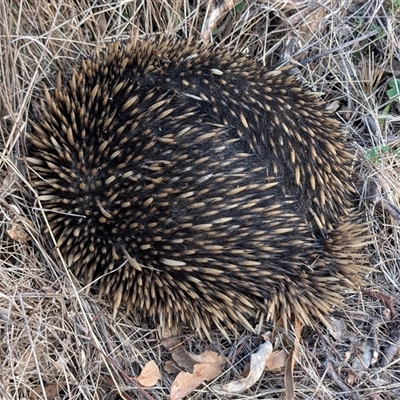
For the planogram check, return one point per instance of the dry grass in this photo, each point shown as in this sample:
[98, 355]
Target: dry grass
[54, 336]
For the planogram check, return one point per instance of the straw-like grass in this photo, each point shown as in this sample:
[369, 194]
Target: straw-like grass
[56, 339]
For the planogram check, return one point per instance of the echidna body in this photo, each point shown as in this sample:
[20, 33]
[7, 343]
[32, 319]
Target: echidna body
[197, 186]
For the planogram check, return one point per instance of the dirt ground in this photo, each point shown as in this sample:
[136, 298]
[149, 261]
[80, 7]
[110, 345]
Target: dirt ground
[59, 342]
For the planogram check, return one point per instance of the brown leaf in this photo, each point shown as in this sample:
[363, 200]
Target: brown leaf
[150, 374]
[185, 382]
[351, 378]
[183, 359]
[187, 360]
[277, 360]
[17, 233]
[203, 367]
[51, 391]
[171, 368]
[208, 356]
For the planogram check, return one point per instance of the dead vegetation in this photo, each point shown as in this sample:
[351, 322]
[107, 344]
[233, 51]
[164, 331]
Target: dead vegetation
[56, 342]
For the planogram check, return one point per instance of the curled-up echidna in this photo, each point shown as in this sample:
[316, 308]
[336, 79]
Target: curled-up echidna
[197, 186]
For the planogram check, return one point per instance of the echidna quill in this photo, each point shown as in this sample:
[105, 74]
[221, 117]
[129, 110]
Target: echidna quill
[197, 186]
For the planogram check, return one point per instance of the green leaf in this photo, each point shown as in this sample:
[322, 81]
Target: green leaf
[394, 90]
[239, 5]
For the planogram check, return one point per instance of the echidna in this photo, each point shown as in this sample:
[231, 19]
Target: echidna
[197, 185]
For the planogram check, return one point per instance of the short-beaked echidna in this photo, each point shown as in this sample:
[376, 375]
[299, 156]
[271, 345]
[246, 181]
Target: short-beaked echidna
[197, 185]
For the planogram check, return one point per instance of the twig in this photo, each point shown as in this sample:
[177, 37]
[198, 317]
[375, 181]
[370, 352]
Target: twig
[331, 372]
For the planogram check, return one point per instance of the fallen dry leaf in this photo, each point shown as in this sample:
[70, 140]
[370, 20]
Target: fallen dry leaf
[51, 391]
[257, 366]
[171, 368]
[186, 382]
[351, 378]
[187, 359]
[183, 358]
[197, 368]
[277, 360]
[17, 233]
[210, 357]
[150, 374]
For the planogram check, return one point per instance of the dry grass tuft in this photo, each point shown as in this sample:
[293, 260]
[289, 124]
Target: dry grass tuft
[57, 342]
